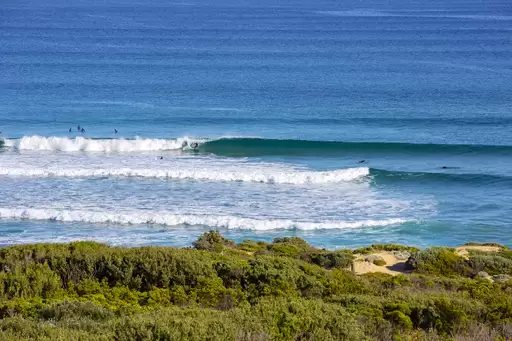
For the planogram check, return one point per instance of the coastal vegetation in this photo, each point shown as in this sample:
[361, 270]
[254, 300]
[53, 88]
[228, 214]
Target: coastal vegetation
[251, 291]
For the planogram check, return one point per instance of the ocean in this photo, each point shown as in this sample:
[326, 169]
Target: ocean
[343, 123]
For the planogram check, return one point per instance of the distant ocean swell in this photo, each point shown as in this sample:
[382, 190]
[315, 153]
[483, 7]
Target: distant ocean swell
[261, 147]
[241, 146]
[381, 175]
[170, 219]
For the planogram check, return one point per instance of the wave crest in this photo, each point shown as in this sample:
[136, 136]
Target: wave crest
[82, 144]
[260, 175]
[169, 219]
[248, 146]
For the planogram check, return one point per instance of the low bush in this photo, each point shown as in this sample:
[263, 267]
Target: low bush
[330, 260]
[252, 246]
[493, 264]
[486, 244]
[70, 309]
[386, 247]
[437, 261]
[212, 241]
[253, 291]
[379, 262]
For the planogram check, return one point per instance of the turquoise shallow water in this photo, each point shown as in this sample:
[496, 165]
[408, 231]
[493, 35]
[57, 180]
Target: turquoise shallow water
[284, 101]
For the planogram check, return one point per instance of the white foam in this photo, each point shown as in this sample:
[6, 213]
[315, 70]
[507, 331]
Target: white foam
[356, 13]
[81, 144]
[241, 174]
[170, 219]
[411, 14]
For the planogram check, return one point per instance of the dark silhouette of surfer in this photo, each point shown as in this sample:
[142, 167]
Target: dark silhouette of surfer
[78, 127]
[115, 131]
[194, 145]
[362, 161]
[160, 158]
[70, 130]
[82, 131]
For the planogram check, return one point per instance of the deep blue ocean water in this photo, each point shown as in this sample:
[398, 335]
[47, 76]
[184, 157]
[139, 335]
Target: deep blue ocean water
[284, 101]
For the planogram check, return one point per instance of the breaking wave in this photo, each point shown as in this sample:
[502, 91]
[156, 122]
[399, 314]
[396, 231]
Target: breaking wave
[260, 175]
[81, 144]
[169, 219]
[247, 146]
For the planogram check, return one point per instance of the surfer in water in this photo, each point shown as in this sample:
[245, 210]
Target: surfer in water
[70, 130]
[194, 145]
[82, 131]
[78, 127]
[115, 131]
[362, 161]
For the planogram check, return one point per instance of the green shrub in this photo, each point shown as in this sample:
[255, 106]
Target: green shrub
[297, 248]
[212, 241]
[385, 247]
[280, 319]
[399, 319]
[330, 260]
[20, 329]
[291, 319]
[34, 281]
[486, 244]
[493, 264]
[299, 242]
[20, 307]
[176, 324]
[379, 262]
[289, 291]
[505, 253]
[291, 247]
[397, 281]
[438, 261]
[68, 309]
[252, 246]
[285, 250]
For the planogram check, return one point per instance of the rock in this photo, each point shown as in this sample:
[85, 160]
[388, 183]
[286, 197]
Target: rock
[375, 259]
[502, 278]
[372, 258]
[483, 274]
[402, 255]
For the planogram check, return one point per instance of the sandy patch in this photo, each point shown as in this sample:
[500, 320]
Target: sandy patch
[463, 251]
[393, 265]
[396, 266]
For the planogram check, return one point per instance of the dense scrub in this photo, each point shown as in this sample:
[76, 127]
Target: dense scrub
[386, 247]
[253, 291]
[446, 262]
